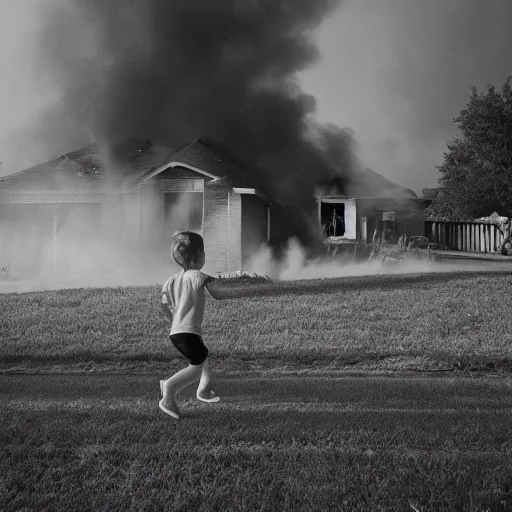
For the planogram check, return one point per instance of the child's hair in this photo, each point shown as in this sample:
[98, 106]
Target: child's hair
[187, 248]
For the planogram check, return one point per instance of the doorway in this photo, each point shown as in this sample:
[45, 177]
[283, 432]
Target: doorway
[332, 218]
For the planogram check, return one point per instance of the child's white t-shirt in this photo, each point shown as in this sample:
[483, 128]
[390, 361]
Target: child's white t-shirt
[184, 294]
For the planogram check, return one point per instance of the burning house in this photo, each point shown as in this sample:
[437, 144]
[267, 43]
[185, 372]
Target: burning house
[127, 203]
[366, 204]
[94, 209]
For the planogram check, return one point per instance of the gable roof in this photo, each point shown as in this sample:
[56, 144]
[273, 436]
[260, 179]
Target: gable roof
[91, 167]
[131, 162]
[196, 157]
[215, 162]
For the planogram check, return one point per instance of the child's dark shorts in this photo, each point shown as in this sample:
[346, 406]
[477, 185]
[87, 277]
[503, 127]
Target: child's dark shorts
[191, 346]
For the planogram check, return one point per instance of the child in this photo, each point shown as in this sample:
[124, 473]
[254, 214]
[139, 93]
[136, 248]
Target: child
[183, 299]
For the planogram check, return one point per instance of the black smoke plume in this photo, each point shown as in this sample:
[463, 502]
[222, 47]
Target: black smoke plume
[175, 70]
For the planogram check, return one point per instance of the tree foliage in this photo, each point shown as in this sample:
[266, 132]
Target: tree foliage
[477, 168]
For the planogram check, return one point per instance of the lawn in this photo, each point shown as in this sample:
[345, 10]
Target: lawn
[293, 432]
[274, 443]
[430, 321]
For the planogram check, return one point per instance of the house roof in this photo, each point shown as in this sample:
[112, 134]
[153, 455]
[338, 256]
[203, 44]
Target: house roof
[91, 167]
[131, 162]
[196, 156]
[215, 162]
[367, 184]
[431, 193]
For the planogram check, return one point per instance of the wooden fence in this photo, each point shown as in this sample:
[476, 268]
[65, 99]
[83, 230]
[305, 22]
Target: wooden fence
[482, 236]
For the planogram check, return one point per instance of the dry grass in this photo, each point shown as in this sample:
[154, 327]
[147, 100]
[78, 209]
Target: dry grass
[455, 320]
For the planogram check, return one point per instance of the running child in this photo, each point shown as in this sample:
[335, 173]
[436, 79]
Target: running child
[183, 300]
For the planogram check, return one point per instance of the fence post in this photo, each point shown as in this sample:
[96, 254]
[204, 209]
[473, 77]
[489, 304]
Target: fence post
[493, 247]
[499, 238]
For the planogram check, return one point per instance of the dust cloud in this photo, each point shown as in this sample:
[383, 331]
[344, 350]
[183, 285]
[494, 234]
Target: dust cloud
[296, 265]
[49, 247]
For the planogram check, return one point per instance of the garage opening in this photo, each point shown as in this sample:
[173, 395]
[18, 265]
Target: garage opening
[332, 218]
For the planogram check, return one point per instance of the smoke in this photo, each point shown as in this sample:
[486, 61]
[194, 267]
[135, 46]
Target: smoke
[174, 71]
[296, 265]
[399, 71]
[44, 247]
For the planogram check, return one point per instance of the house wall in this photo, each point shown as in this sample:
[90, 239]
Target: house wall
[154, 229]
[222, 237]
[134, 222]
[254, 226]
[26, 240]
[151, 225]
[61, 238]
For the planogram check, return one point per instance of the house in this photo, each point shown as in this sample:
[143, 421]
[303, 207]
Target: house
[55, 216]
[100, 208]
[431, 193]
[357, 208]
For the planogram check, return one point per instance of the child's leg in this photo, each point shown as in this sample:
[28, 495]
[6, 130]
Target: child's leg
[180, 380]
[204, 392]
[206, 376]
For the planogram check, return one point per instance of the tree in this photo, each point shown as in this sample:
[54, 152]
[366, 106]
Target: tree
[477, 168]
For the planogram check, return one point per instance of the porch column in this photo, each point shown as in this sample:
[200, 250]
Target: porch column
[54, 238]
[229, 231]
[364, 229]
[269, 206]
[319, 213]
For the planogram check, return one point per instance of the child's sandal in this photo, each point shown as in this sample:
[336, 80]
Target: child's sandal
[212, 397]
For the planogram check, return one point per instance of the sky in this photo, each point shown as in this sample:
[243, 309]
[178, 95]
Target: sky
[396, 72]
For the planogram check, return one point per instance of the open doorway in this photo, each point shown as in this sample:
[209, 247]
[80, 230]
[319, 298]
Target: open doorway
[332, 218]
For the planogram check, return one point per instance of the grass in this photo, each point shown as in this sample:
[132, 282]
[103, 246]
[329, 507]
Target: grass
[303, 442]
[431, 321]
[290, 444]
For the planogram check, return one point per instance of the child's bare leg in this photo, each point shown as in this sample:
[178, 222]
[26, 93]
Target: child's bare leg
[206, 377]
[204, 391]
[180, 380]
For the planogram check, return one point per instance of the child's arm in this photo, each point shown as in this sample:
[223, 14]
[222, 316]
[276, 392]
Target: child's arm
[216, 289]
[166, 311]
[166, 306]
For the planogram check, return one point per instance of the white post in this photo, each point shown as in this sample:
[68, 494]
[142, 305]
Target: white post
[54, 238]
[229, 231]
[364, 229]
[268, 222]
[319, 208]
[482, 238]
[202, 218]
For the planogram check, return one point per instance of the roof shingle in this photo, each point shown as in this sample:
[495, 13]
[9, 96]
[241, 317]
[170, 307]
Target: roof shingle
[91, 167]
